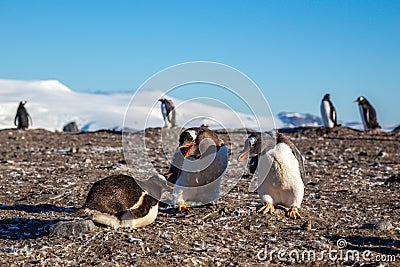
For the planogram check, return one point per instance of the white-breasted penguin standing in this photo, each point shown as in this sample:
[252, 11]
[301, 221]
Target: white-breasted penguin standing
[168, 112]
[200, 159]
[328, 112]
[22, 118]
[281, 175]
[118, 201]
[368, 114]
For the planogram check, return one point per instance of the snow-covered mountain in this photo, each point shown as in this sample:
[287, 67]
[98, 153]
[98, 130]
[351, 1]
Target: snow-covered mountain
[294, 119]
[52, 105]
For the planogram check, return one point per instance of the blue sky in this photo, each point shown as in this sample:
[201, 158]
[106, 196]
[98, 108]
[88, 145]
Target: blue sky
[295, 51]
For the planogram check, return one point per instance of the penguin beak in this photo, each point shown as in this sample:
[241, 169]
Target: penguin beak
[186, 148]
[356, 101]
[244, 155]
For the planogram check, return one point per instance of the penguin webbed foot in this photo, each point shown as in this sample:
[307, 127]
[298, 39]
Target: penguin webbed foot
[267, 208]
[293, 213]
[182, 207]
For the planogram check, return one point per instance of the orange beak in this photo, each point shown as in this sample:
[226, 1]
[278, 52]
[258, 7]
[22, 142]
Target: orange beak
[187, 148]
[169, 175]
[355, 101]
[243, 156]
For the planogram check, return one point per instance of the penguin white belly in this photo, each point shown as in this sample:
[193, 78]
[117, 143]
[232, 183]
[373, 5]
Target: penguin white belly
[128, 221]
[201, 185]
[283, 184]
[326, 113]
[364, 114]
[165, 115]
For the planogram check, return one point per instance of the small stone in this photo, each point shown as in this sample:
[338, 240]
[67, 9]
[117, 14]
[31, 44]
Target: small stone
[393, 179]
[249, 227]
[71, 227]
[83, 150]
[380, 225]
[306, 226]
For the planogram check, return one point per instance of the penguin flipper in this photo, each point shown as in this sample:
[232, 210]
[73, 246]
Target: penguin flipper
[300, 159]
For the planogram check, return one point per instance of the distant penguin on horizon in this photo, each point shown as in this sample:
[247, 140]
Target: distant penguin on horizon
[368, 114]
[22, 118]
[328, 112]
[168, 112]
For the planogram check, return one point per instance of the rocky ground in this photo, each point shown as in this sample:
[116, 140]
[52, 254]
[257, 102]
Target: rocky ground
[351, 205]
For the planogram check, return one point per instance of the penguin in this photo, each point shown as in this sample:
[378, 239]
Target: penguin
[328, 112]
[253, 164]
[199, 160]
[281, 175]
[118, 201]
[71, 127]
[368, 114]
[168, 112]
[22, 118]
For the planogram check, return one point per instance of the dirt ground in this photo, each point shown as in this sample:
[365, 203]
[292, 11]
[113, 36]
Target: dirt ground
[350, 212]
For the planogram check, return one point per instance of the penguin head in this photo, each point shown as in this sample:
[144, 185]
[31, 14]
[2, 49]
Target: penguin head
[206, 126]
[23, 102]
[360, 100]
[251, 146]
[257, 143]
[162, 100]
[327, 97]
[195, 142]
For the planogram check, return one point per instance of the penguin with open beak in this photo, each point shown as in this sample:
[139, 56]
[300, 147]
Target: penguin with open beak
[281, 175]
[199, 160]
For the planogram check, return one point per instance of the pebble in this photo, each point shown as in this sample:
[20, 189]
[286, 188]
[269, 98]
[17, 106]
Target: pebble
[71, 227]
[380, 225]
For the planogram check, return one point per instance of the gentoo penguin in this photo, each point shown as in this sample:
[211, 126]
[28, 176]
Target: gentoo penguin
[368, 114]
[281, 176]
[328, 112]
[118, 201]
[22, 118]
[253, 164]
[71, 127]
[168, 112]
[199, 160]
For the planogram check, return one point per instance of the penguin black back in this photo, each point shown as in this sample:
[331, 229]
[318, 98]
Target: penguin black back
[168, 110]
[368, 114]
[116, 194]
[22, 117]
[192, 137]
